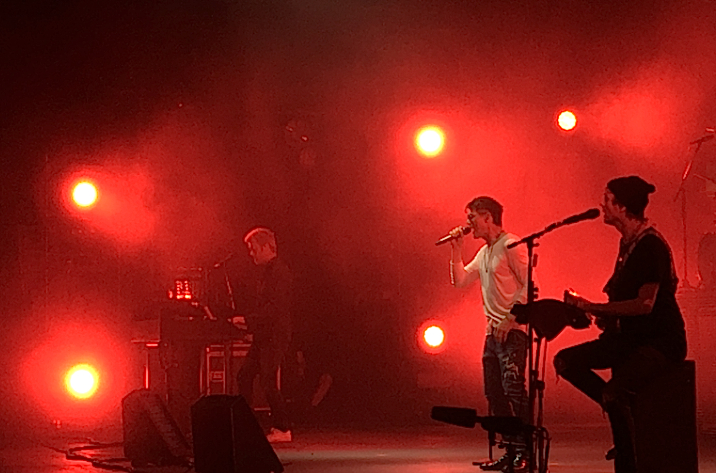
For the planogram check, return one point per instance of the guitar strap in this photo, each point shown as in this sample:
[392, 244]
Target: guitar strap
[626, 250]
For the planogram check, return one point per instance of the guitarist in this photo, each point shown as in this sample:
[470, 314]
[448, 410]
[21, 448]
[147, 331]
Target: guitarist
[644, 329]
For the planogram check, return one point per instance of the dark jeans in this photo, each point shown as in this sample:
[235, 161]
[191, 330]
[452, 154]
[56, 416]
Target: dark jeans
[263, 360]
[503, 366]
[632, 366]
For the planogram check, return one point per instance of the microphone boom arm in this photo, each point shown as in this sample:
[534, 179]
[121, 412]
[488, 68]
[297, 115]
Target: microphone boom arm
[590, 214]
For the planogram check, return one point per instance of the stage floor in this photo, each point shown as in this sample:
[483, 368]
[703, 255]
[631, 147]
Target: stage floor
[431, 449]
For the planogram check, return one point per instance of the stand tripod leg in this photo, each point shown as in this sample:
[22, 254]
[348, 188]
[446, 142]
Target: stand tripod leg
[491, 442]
[511, 455]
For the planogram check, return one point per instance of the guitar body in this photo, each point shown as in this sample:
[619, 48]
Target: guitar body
[605, 324]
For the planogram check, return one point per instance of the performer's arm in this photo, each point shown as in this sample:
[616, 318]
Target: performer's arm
[459, 277]
[653, 259]
[642, 305]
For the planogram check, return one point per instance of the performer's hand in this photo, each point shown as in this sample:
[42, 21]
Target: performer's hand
[606, 323]
[502, 329]
[457, 234]
[572, 298]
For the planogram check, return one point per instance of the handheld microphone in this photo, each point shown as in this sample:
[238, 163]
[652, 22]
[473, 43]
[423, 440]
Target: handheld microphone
[588, 215]
[447, 238]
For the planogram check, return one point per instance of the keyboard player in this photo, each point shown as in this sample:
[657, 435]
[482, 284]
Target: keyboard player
[270, 324]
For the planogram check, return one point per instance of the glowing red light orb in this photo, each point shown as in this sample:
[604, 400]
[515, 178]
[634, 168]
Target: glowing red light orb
[430, 141]
[81, 381]
[434, 336]
[84, 194]
[567, 120]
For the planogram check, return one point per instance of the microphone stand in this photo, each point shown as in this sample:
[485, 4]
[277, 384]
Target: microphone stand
[684, 226]
[533, 383]
[228, 344]
[539, 443]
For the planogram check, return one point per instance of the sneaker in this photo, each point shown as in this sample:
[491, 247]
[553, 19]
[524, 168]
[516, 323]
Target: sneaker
[521, 464]
[277, 436]
[496, 465]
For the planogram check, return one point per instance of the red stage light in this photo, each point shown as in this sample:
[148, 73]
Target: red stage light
[431, 336]
[80, 367]
[430, 141]
[434, 336]
[82, 381]
[84, 194]
[567, 120]
[111, 201]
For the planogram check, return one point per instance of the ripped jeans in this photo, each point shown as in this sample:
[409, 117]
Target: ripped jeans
[503, 366]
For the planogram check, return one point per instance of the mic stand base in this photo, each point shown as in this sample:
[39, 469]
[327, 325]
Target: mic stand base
[510, 454]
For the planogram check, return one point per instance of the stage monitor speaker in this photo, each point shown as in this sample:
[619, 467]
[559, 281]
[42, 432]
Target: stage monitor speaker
[151, 436]
[229, 439]
[665, 422]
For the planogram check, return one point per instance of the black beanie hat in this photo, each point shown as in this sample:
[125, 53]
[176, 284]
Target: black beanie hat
[632, 192]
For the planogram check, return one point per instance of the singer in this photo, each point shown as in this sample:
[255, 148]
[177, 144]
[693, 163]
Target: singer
[503, 278]
[643, 329]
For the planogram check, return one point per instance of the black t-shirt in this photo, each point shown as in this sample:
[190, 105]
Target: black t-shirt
[650, 261]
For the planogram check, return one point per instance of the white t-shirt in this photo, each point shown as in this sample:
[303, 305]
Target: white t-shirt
[502, 274]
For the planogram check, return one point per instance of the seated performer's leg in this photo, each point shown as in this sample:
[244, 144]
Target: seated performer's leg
[632, 367]
[577, 364]
[641, 366]
[620, 421]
